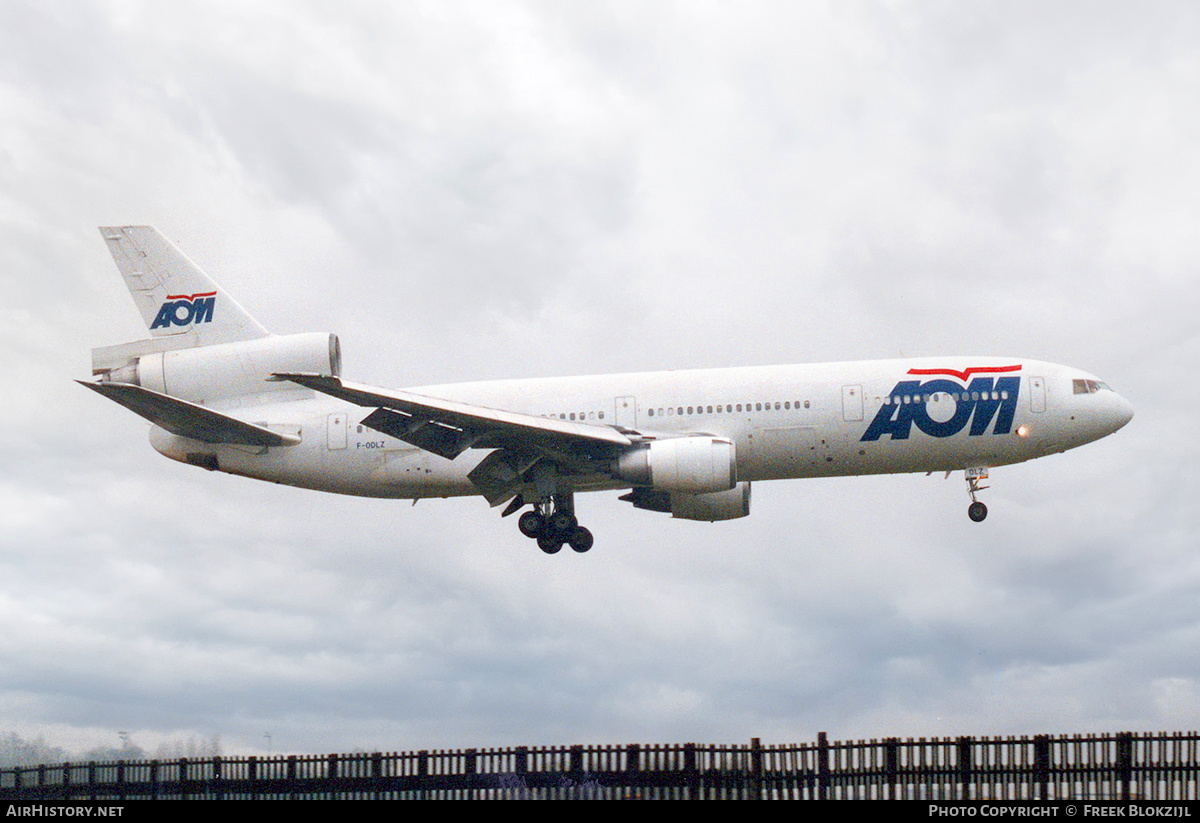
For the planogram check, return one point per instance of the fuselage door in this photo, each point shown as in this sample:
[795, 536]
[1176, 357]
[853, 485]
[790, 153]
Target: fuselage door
[337, 431]
[1037, 394]
[852, 403]
[626, 412]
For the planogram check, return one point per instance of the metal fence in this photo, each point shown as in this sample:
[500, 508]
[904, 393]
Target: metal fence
[1123, 766]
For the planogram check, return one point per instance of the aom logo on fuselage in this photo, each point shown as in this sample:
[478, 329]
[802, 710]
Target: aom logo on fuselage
[184, 310]
[979, 402]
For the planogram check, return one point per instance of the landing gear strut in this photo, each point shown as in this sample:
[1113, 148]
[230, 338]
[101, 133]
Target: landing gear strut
[976, 511]
[552, 523]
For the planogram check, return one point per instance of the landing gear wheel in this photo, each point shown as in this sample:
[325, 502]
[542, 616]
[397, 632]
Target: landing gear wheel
[977, 511]
[563, 523]
[531, 524]
[550, 544]
[581, 539]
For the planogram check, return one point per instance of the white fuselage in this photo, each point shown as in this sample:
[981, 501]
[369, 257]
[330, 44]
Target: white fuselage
[818, 420]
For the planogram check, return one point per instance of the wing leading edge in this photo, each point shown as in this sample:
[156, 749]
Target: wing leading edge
[448, 428]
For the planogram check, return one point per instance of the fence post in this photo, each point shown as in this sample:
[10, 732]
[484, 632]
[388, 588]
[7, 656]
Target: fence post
[471, 774]
[154, 779]
[575, 767]
[756, 769]
[964, 767]
[822, 766]
[1125, 763]
[633, 767]
[691, 776]
[891, 751]
[1041, 764]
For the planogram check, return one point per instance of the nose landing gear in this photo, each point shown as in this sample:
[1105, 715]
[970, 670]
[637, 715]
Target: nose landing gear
[976, 511]
[552, 523]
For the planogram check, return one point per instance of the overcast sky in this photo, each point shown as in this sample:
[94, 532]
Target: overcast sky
[506, 189]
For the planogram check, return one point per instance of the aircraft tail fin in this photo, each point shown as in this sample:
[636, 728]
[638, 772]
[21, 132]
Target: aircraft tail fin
[175, 297]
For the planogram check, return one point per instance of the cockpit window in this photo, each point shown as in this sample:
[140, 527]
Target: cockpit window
[1089, 386]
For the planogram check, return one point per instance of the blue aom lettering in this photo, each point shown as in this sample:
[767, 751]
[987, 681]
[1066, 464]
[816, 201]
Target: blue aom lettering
[184, 312]
[982, 401]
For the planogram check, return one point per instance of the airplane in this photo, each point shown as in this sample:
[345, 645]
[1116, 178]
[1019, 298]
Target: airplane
[226, 395]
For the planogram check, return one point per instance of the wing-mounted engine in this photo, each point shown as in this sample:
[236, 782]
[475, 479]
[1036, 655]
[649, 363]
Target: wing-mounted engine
[724, 505]
[199, 374]
[693, 478]
[692, 465]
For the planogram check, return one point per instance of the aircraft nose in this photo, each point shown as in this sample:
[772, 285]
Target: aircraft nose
[1121, 412]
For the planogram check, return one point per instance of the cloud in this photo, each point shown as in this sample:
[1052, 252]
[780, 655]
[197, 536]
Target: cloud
[524, 189]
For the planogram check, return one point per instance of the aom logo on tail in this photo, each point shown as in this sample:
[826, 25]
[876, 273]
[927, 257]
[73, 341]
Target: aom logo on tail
[983, 400]
[184, 310]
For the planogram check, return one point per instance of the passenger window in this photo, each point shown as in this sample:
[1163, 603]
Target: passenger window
[739, 406]
[787, 404]
[777, 405]
[806, 404]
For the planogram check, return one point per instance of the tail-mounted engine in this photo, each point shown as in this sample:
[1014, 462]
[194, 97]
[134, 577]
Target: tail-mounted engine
[201, 373]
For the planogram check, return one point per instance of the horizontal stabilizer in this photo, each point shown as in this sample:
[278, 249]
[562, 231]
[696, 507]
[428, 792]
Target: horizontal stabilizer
[188, 419]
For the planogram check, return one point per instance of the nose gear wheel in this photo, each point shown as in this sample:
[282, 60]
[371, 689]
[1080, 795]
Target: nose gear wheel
[977, 511]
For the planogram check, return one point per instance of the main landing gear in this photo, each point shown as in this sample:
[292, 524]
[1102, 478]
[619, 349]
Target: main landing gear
[552, 523]
[976, 511]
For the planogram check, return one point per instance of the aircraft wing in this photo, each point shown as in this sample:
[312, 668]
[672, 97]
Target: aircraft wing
[449, 428]
[188, 419]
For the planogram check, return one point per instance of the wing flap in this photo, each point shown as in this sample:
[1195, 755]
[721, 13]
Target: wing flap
[188, 419]
[443, 440]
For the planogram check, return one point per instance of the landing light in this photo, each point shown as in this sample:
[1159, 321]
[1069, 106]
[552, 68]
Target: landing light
[1022, 431]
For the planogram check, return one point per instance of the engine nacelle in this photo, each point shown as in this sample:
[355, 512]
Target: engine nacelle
[682, 464]
[201, 373]
[726, 505]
